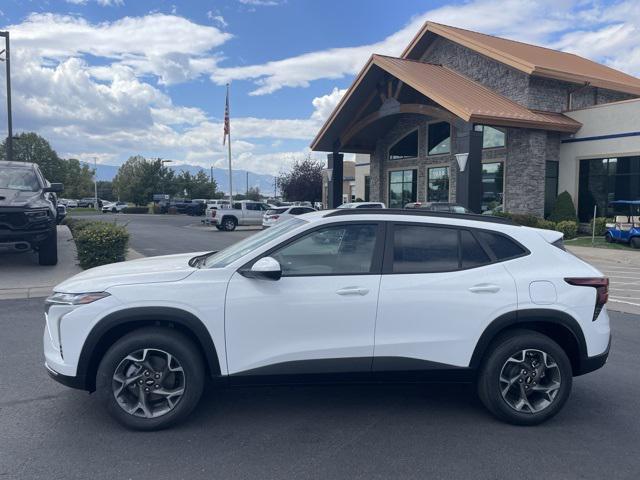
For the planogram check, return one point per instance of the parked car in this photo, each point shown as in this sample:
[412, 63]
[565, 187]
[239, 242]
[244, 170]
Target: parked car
[28, 211]
[89, 202]
[242, 213]
[214, 205]
[363, 205]
[626, 228]
[403, 295]
[197, 207]
[279, 214]
[114, 207]
[439, 207]
[61, 213]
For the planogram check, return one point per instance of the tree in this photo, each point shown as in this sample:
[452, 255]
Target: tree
[254, 194]
[195, 186]
[138, 179]
[563, 209]
[303, 182]
[78, 179]
[105, 190]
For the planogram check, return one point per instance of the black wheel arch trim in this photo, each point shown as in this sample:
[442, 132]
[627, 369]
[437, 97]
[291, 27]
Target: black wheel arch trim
[139, 317]
[527, 317]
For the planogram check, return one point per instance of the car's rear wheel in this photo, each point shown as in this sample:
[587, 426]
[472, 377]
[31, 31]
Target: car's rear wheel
[229, 224]
[525, 379]
[150, 379]
[608, 237]
[48, 249]
[635, 242]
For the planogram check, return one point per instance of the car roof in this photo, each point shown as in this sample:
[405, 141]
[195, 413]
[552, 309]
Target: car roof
[4, 163]
[391, 214]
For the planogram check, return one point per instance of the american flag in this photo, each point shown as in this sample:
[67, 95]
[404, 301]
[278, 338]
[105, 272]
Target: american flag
[227, 125]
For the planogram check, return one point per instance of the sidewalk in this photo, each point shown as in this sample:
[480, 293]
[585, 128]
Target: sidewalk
[623, 269]
[22, 277]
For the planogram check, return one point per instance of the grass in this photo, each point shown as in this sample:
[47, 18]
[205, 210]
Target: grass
[82, 211]
[599, 243]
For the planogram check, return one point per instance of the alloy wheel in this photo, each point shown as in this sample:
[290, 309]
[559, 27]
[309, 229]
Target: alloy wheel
[148, 383]
[530, 380]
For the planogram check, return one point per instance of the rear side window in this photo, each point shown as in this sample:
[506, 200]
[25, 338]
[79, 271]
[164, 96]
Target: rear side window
[501, 246]
[472, 254]
[424, 249]
[276, 211]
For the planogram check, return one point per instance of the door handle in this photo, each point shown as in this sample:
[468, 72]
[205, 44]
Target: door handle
[353, 291]
[485, 288]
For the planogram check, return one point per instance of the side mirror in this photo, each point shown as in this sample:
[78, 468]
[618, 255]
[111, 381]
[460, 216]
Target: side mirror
[54, 187]
[266, 268]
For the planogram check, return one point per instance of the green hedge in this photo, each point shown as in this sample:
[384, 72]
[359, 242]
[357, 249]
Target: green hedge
[563, 209]
[135, 210]
[98, 243]
[601, 225]
[568, 227]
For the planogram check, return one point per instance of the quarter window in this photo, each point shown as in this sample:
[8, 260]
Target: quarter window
[502, 247]
[336, 250]
[439, 140]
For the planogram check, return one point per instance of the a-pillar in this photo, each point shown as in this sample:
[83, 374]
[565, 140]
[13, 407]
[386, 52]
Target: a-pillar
[335, 166]
[469, 180]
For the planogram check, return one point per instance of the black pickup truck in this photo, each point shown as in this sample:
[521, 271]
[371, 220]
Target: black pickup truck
[28, 211]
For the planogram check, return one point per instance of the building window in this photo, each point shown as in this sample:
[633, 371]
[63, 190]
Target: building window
[402, 187]
[492, 185]
[407, 147]
[439, 138]
[367, 188]
[491, 137]
[438, 184]
[550, 187]
[603, 180]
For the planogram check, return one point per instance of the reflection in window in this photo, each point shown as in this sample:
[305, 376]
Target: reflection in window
[424, 249]
[603, 180]
[550, 187]
[492, 185]
[367, 188]
[439, 138]
[407, 147]
[491, 137]
[339, 250]
[438, 184]
[402, 187]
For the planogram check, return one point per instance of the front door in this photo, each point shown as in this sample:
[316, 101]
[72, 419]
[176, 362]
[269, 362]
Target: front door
[441, 287]
[320, 316]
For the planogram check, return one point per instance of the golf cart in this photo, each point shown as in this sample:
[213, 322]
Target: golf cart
[626, 227]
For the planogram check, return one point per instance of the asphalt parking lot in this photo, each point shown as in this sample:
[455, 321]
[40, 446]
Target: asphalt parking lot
[357, 431]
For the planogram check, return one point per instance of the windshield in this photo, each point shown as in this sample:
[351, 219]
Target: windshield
[237, 250]
[23, 179]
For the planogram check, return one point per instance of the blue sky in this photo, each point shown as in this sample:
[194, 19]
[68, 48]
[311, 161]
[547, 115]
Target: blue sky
[114, 78]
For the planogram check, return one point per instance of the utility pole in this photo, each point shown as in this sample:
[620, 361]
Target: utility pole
[7, 61]
[95, 181]
[247, 194]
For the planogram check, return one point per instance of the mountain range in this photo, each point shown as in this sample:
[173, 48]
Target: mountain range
[262, 181]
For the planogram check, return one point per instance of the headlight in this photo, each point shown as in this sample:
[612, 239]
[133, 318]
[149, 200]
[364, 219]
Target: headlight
[40, 214]
[75, 298]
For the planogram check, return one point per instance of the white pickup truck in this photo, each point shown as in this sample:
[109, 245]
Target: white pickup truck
[241, 213]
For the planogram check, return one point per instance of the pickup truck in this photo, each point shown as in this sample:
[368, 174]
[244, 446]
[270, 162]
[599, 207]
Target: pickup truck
[28, 211]
[242, 213]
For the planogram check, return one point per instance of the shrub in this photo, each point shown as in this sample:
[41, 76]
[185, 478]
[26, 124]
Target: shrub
[568, 228]
[564, 209]
[601, 225]
[99, 243]
[135, 210]
[525, 219]
[546, 224]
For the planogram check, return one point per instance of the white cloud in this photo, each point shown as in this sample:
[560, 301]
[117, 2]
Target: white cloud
[217, 18]
[103, 3]
[604, 34]
[261, 3]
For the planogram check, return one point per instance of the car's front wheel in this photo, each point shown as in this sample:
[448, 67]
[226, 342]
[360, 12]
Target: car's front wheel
[525, 379]
[48, 249]
[635, 242]
[608, 237]
[150, 379]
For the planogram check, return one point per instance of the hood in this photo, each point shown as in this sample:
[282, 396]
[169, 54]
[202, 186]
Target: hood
[169, 268]
[17, 198]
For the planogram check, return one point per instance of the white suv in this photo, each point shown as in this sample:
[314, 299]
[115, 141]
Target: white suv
[344, 294]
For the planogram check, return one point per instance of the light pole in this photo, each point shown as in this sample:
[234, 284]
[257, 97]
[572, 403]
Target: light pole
[162, 162]
[95, 182]
[7, 61]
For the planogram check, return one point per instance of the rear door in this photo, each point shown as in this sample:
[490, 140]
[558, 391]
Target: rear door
[440, 288]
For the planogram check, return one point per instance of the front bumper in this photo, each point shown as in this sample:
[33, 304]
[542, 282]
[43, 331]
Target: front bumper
[66, 380]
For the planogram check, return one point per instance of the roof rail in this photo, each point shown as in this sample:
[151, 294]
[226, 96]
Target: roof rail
[421, 213]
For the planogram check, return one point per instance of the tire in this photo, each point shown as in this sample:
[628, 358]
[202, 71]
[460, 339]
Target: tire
[48, 249]
[499, 364]
[635, 242]
[608, 238]
[229, 224]
[219, 227]
[114, 210]
[151, 346]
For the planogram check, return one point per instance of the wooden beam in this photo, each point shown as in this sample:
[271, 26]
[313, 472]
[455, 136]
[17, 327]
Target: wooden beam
[398, 88]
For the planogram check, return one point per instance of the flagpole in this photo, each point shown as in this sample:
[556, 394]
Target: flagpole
[230, 170]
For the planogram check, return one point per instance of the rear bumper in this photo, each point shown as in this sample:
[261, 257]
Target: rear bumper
[589, 364]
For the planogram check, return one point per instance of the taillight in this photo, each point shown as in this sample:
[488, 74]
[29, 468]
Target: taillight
[275, 217]
[601, 284]
[213, 213]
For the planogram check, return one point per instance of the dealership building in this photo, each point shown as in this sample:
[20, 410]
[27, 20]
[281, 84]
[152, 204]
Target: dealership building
[486, 122]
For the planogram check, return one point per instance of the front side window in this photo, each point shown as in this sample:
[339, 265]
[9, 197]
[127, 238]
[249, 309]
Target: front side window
[491, 137]
[438, 184]
[424, 249]
[439, 138]
[335, 250]
[402, 187]
[407, 147]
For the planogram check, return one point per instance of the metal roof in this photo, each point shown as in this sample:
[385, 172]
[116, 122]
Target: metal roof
[531, 59]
